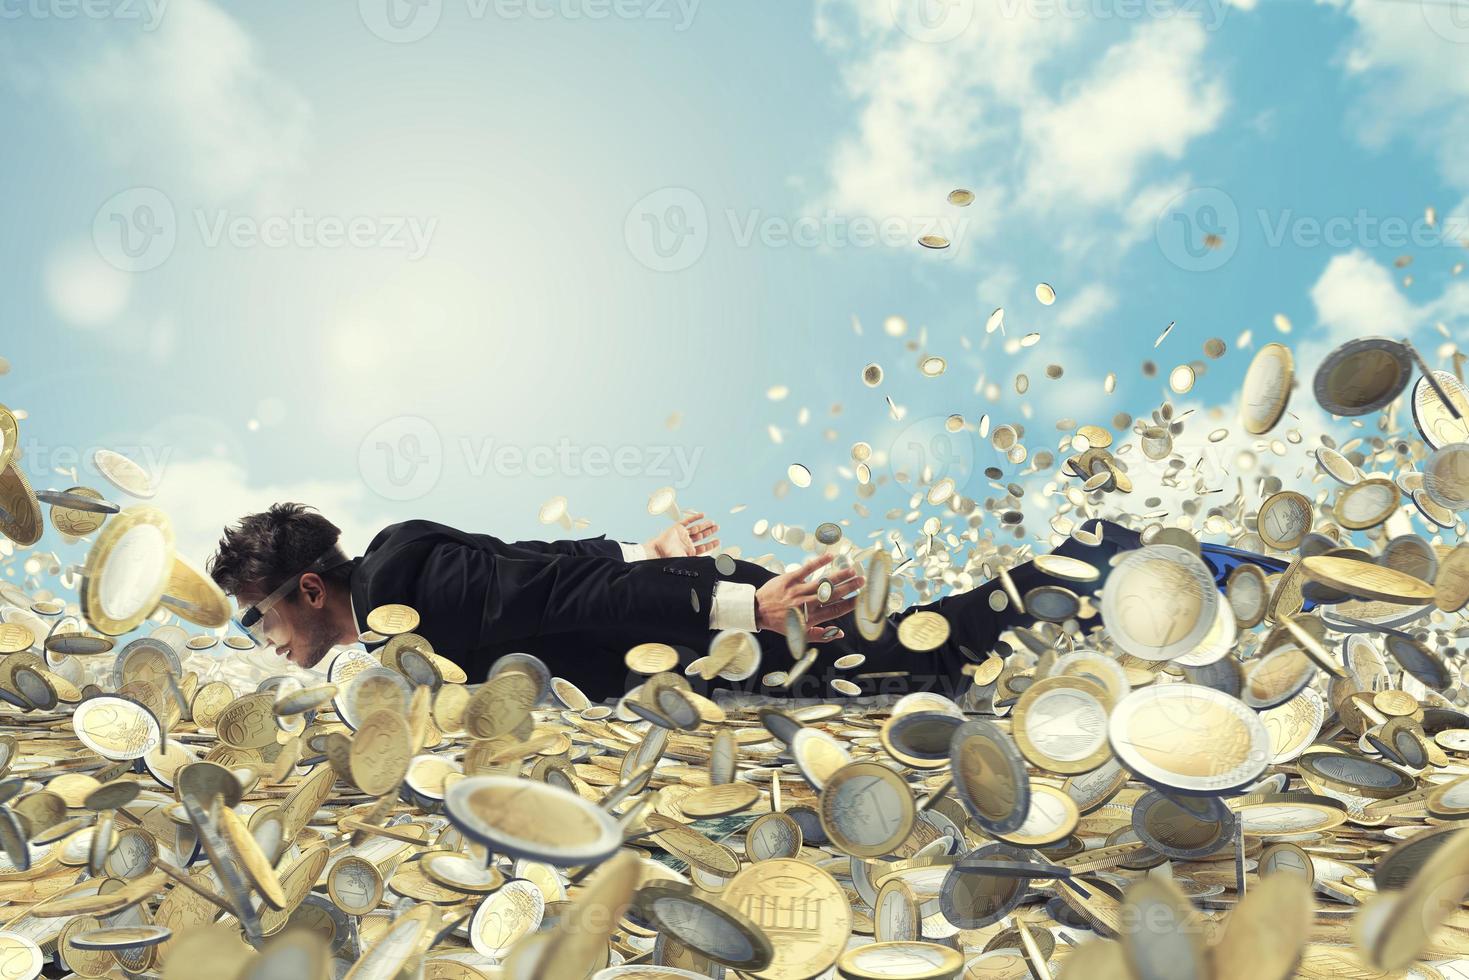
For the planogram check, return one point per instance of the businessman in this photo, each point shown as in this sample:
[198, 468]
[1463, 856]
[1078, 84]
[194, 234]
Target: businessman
[580, 605]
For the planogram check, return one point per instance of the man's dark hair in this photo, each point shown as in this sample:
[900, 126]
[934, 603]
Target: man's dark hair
[263, 550]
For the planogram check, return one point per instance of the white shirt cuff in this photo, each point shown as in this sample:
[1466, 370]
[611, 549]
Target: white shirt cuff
[632, 552]
[734, 607]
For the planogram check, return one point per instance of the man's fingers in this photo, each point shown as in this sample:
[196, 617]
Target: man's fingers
[826, 612]
[688, 519]
[817, 634]
[795, 575]
[704, 547]
[702, 530]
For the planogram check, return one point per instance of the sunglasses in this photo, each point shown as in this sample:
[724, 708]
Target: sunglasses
[251, 619]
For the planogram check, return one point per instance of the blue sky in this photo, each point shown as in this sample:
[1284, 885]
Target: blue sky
[295, 251]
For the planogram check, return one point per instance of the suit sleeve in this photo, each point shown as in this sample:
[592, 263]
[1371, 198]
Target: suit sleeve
[598, 546]
[470, 598]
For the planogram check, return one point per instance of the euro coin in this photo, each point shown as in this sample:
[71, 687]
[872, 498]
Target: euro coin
[1266, 388]
[1159, 602]
[1362, 376]
[124, 474]
[1189, 738]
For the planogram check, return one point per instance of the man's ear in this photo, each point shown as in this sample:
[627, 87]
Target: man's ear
[313, 590]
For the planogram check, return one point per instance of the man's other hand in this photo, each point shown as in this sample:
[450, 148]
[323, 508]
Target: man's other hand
[690, 536]
[792, 591]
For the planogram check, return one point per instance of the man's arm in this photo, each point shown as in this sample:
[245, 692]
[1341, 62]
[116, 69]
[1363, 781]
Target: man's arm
[690, 536]
[471, 598]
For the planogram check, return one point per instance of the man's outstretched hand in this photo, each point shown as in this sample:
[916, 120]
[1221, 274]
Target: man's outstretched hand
[690, 536]
[792, 591]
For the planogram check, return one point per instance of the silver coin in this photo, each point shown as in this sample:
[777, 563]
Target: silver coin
[1052, 603]
[1362, 376]
[1198, 826]
[74, 501]
[989, 776]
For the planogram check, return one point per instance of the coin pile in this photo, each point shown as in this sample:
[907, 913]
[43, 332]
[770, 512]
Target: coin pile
[1264, 780]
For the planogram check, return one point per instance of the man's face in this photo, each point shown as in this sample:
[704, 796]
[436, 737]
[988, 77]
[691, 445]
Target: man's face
[299, 630]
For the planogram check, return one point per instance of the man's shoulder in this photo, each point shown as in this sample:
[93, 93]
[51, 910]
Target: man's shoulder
[408, 532]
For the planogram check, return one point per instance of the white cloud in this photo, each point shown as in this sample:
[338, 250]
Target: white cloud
[991, 110]
[1090, 302]
[1412, 70]
[1144, 99]
[82, 288]
[201, 496]
[193, 96]
[1356, 296]
[1140, 215]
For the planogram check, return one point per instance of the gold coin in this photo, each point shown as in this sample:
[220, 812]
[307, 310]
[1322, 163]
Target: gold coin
[1266, 388]
[85, 962]
[1451, 586]
[923, 630]
[74, 521]
[250, 858]
[194, 596]
[1367, 581]
[248, 722]
[931, 241]
[392, 619]
[381, 751]
[209, 702]
[9, 435]
[1435, 422]
[651, 658]
[15, 637]
[127, 570]
[801, 907]
[902, 959]
[718, 801]
[961, 198]
[124, 474]
[20, 511]
[1070, 569]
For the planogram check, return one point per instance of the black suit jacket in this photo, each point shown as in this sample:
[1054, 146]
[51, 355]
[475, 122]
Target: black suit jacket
[576, 604]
